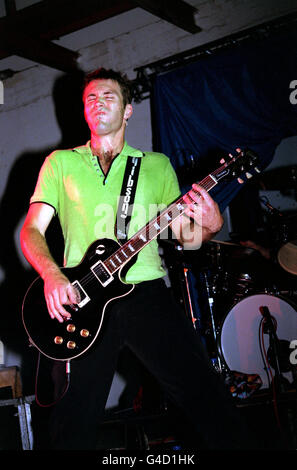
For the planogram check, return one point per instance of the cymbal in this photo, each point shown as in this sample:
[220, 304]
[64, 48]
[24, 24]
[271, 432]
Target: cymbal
[287, 257]
[233, 246]
[224, 242]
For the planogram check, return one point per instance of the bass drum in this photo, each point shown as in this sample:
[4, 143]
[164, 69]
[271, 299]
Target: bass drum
[240, 342]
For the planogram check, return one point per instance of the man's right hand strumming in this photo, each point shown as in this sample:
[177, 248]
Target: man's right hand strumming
[58, 291]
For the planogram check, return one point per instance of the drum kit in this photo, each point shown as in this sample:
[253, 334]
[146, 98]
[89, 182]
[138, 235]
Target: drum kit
[242, 297]
[245, 310]
[251, 310]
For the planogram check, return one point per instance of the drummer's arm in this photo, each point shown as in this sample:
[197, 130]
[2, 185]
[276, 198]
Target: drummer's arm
[265, 252]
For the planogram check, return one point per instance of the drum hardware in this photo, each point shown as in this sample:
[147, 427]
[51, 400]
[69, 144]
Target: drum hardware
[210, 298]
[239, 342]
[185, 294]
[284, 353]
[272, 210]
[210, 289]
[274, 354]
[236, 286]
[191, 313]
[286, 293]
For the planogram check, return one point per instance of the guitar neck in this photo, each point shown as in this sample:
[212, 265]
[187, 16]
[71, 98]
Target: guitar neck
[157, 225]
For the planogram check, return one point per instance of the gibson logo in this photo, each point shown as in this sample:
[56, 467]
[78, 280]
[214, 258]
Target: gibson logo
[127, 197]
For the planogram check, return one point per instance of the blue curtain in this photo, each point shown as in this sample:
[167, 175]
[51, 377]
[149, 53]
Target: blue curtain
[235, 98]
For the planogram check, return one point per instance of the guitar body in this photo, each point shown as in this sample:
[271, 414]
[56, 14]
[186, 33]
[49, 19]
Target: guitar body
[68, 340]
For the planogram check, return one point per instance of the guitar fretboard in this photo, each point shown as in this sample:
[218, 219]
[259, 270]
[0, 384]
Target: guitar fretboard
[154, 227]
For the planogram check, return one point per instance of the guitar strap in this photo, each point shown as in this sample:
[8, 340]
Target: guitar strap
[126, 200]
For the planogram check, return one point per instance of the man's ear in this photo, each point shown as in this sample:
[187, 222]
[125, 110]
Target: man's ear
[128, 111]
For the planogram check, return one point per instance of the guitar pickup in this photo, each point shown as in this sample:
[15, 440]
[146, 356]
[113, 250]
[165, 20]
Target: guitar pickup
[102, 273]
[84, 298]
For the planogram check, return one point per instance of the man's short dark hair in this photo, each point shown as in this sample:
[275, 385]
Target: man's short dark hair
[109, 74]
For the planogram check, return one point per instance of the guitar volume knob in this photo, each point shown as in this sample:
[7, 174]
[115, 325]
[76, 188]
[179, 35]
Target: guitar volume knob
[70, 328]
[84, 333]
[58, 339]
[71, 345]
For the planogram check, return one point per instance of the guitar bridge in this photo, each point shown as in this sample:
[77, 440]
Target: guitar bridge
[102, 273]
[84, 298]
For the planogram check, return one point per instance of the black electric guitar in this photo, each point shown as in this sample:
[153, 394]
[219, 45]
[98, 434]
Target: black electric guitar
[98, 278]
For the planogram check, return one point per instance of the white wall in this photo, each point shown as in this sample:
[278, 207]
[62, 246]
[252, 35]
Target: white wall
[27, 117]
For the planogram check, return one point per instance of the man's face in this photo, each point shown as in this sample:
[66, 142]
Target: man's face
[103, 107]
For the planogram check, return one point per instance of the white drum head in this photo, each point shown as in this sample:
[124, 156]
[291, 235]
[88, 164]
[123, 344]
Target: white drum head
[239, 339]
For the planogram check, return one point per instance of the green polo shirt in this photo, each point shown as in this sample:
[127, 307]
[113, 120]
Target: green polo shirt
[86, 201]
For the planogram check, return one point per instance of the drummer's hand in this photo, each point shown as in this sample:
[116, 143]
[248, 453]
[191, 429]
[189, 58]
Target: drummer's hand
[203, 209]
[265, 252]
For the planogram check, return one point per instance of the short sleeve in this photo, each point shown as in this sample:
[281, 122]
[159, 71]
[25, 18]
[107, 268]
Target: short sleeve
[46, 189]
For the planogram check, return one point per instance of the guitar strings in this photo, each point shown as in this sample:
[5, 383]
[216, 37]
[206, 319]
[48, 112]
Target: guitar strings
[207, 183]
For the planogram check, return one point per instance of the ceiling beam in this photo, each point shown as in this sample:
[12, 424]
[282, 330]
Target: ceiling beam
[78, 14]
[28, 32]
[51, 19]
[48, 20]
[177, 12]
[40, 51]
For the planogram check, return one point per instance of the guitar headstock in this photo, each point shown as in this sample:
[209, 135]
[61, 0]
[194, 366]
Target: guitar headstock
[239, 165]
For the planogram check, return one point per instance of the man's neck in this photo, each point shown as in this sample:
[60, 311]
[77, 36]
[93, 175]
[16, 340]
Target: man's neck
[106, 149]
[106, 145]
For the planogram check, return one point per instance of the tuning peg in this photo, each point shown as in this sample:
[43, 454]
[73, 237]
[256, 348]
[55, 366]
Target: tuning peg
[257, 170]
[240, 181]
[248, 175]
[222, 161]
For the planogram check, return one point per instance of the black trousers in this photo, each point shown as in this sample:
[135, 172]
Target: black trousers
[153, 326]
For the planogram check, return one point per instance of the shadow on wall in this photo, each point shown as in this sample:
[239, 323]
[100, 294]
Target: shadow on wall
[17, 278]
[13, 208]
